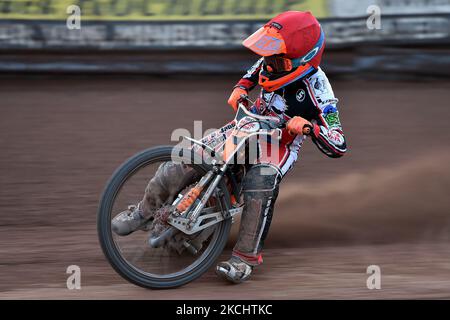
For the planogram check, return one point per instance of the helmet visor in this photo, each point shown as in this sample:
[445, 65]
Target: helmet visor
[266, 41]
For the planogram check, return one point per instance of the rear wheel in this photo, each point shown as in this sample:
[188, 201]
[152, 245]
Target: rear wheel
[131, 256]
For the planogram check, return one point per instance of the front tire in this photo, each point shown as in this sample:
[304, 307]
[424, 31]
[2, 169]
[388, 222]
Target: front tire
[113, 253]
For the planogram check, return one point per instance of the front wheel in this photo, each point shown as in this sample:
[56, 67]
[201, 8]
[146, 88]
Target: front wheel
[131, 256]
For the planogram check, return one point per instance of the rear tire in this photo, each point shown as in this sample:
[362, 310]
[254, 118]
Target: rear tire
[113, 254]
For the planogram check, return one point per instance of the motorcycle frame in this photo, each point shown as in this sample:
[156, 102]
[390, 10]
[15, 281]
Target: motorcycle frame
[189, 222]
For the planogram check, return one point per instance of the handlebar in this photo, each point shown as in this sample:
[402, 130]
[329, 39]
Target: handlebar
[245, 97]
[281, 123]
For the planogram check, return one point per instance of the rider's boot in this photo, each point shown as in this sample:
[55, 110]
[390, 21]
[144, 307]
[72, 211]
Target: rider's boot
[260, 189]
[128, 221]
[234, 270]
[161, 189]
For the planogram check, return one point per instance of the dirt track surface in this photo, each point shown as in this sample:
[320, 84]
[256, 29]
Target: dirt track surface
[385, 203]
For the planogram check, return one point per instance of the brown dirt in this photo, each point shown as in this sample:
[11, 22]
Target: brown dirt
[384, 203]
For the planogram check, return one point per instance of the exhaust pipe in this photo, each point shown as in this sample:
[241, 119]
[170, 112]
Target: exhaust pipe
[159, 241]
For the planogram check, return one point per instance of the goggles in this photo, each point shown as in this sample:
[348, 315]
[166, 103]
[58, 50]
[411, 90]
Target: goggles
[278, 64]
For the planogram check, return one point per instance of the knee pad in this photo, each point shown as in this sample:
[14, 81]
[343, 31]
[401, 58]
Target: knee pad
[260, 188]
[261, 178]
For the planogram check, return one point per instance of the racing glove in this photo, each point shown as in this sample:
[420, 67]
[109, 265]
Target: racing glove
[299, 125]
[235, 97]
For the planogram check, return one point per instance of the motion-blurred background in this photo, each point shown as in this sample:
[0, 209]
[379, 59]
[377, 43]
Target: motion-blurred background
[75, 103]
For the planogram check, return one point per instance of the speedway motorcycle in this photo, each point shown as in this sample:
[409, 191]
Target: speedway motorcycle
[185, 236]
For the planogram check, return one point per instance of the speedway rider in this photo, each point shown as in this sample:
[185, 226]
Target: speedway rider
[291, 47]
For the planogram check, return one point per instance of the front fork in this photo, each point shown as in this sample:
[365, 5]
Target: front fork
[188, 208]
[219, 173]
[190, 221]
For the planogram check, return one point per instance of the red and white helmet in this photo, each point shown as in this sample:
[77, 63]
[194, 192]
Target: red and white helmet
[292, 44]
